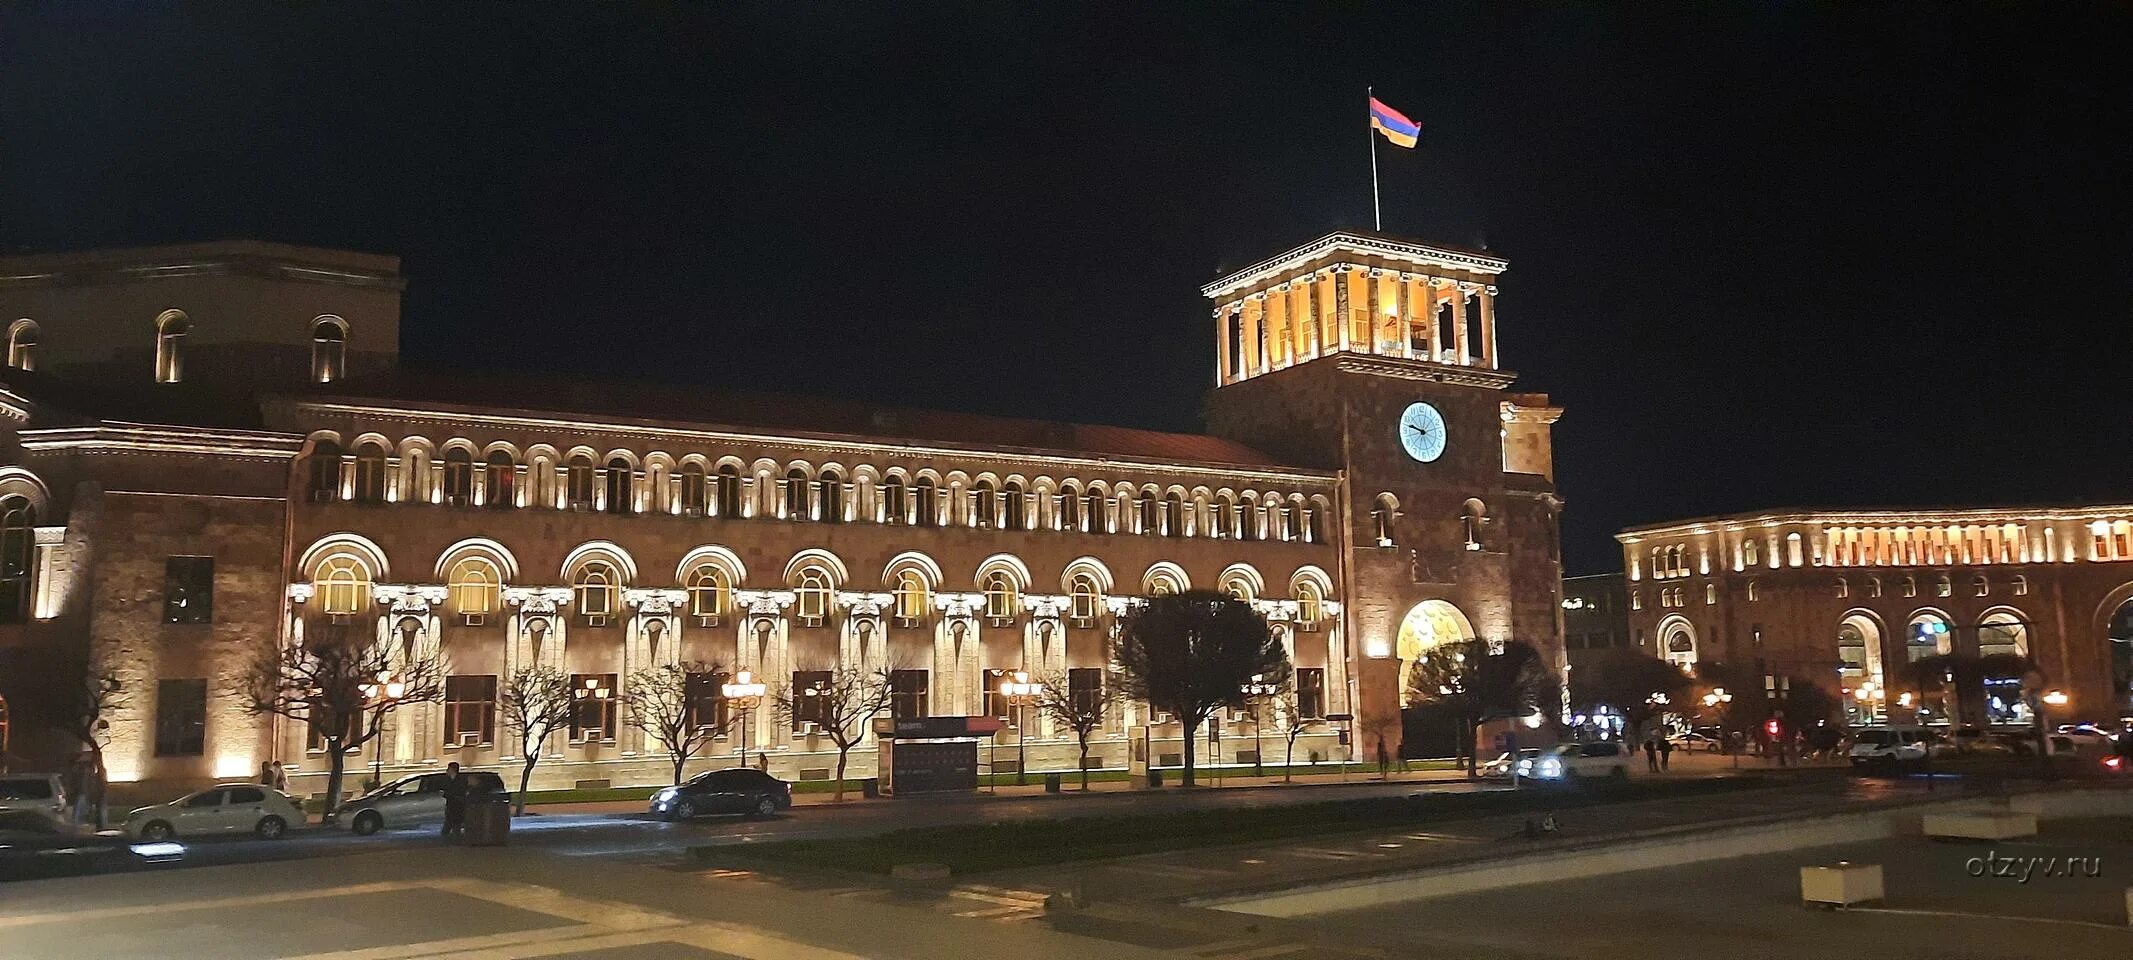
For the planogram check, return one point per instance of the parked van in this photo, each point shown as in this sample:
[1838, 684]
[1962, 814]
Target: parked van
[1889, 746]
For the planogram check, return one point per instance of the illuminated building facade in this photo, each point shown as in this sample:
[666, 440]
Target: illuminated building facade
[1849, 599]
[213, 447]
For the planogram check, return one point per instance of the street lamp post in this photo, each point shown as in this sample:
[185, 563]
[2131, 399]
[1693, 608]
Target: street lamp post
[1020, 692]
[1256, 693]
[743, 694]
[2051, 698]
[594, 691]
[386, 690]
[1718, 698]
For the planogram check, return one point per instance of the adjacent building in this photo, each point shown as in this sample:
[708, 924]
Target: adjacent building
[1595, 617]
[212, 448]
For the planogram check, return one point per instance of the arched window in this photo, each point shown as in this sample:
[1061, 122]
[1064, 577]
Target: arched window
[1014, 507]
[475, 588]
[1070, 507]
[829, 492]
[578, 483]
[1310, 606]
[729, 491]
[499, 491]
[18, 552]
[1795, 550]
[1173, 516]
[1002, 598]
[1150, 523]
[710, 594]
[1929, 636]
[1289, 527]
[928, 505]
[322, 481]
[22, 344]
[1222, 517]
[599, 590]
[1239, 586]
[171, 329]
[895, 500]
[811, 597]
[1162, 584]
[1314, 525]
[1844, 588]
[329, 349]
[458, 477]
[1980, 586]
[1086, 600]
[2002, 634]
[1092, 512]
[984, 507]
[1751, 551]
[342, 585]
[370, 473]
[695, 489]
[913, 600]
[796, 494]
[621, 487]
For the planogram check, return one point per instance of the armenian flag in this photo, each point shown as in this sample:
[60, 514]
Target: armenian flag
[1393, 124]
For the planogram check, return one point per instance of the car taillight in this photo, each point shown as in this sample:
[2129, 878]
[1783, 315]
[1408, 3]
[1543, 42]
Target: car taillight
[2114, 763]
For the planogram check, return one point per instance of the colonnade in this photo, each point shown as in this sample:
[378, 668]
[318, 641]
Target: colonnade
[1351, 309]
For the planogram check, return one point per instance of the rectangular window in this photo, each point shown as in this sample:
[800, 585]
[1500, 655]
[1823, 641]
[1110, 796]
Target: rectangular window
[181, 718]
[995, 703]
[592, 712]
[1085, 690]
[706, 696]
[1311, 692]
[810, 699]
[188, 589]
[907, 694]
[469, 710]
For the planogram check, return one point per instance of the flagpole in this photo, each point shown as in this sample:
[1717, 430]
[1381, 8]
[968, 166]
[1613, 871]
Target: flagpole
[1377, 215]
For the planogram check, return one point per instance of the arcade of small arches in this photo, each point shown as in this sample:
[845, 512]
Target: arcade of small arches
[2082, 536]
[500, 476]
[1346, 308]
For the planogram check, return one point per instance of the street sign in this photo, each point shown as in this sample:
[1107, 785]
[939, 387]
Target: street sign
[938, 728]
[1340, 716]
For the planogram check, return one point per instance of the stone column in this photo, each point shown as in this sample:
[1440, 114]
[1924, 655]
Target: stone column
[1404, 307]
[1488, 327]
[1426, 316]
[1221, 345]
[1371, 279]
[1261, 362]
[1343, 305]
[1459, 334]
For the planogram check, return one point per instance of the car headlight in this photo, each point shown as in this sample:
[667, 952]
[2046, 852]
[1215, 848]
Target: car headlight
[1551, 768]
[1525, 766]
[665, 794]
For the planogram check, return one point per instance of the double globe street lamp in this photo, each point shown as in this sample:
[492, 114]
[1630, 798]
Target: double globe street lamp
[1256, 693]
[1020, 691]
[379, 696]
[743, 694]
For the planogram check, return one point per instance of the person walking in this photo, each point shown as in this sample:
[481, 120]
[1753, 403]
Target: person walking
[266, 773]
[1666, 752]
[455, 801]
[1651, 754]
[281, 777]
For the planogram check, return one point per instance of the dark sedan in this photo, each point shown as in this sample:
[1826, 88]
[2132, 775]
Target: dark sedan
[738, 790]
[33, 846]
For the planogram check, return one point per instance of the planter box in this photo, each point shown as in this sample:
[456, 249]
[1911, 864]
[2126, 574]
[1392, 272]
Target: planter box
[1842, 884]
[1981, 825]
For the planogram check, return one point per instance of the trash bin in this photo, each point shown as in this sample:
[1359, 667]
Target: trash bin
[1051, 783]
[488, 819]
[870, 788]
[1155, 778]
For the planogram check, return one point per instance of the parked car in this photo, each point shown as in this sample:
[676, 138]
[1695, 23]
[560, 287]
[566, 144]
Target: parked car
[412, 800]
[1889, 746]
[1500, 768]
[1978, 740]
[737, 790]
[44, 794]
[2087, 735]
[225, 808]
[33, 845]
[1572, 762]
[1694, 741]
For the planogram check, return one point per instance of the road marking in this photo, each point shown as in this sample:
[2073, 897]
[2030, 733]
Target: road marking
[1172, 870]
[1322, 853]
[1026, 899]
[260, 899]
[1002, 913]
[1260, 953]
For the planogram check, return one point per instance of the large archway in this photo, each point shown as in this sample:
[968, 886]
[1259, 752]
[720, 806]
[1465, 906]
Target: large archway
[1859, 639]
[1429, 624]
[1677, 642]
[2119, 634]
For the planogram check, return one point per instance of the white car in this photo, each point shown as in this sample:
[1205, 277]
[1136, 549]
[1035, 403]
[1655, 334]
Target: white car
[411, 800]
[1890, 745]
[264, 812]
[44, 794]
[1572, 762]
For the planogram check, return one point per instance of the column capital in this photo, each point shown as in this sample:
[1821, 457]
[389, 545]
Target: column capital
[1489, 289]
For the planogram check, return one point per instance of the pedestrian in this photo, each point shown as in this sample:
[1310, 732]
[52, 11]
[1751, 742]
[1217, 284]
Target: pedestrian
[281, 777]
[1666, 753]
[266, 773]
[762, 762]
[455, 801]
[1651, 754]
[1383, 761]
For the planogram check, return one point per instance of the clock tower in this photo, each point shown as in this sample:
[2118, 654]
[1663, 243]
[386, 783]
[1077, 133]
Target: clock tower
[1376, 356]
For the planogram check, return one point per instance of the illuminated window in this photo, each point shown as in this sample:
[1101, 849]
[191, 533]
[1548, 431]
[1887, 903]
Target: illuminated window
[1873, 586]
[729, 491]
[1145, 515]
[1310, 606]
[1162, 584]
[1173, 516]
[1314, 525]
[1979, 586]
[370, 473]
[189, 590]
[475, 588]
[1752, 592]
[22, 344]
[592, 707]
[1844, 588]
[1085, 599]
[1002, 599]
[984, 507]
[1910, 587]
[171, 330]
[1636, 600]
[1223, 521]
[695, 490]
[2099, 541]
[621, 487]
[1750, 552]
[710, 594]
[578, 483]
[914, 600]
[1710, 593]
[2021, 586]
[342, 585]
[1943, 588]
[18, 553]
[329, 349]
[927, 504]
[810, 699]
[1237, 585]
[599, 589]
[1092, 513]
[812, 596]
[458, 477]
[704, 694]
[498, 476]
[829, 494]
[1070, 508]
[894, 503]
[1014, 508]
[469, 710]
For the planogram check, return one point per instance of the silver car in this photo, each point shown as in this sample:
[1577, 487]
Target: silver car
[44, 794]
[264, 812]
[410, 801]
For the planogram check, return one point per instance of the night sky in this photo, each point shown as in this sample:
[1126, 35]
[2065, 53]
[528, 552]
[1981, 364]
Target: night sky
[1765, 254]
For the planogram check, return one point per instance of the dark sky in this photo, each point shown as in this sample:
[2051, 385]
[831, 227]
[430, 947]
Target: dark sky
[1765, 254]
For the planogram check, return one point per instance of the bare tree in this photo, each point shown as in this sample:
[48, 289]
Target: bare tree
[536, 700]
[1290, 721]
[676, 705]
[1081, 711]
[77, 700]
[843, 706]
[1192, 653]
[340, 682]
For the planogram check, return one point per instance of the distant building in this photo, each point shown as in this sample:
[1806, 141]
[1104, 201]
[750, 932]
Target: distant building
[1595, 616]
[1850, 598]
[211, 449]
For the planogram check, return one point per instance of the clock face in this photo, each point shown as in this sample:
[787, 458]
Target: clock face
[1422, 432]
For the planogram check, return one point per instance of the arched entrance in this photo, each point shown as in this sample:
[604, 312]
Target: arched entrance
[2003, 652]
[1677, 642]
[1430, 624]
[2120, 634]
[1859, 652]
